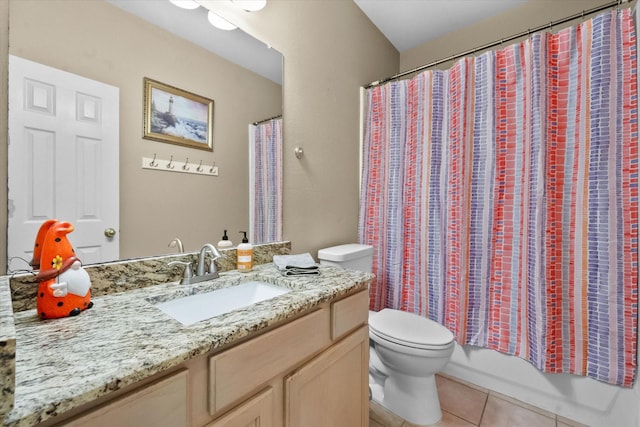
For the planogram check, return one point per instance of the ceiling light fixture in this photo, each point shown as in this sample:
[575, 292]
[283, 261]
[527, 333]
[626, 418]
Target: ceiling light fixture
[251, 5]
[219, 22]
[185, 4]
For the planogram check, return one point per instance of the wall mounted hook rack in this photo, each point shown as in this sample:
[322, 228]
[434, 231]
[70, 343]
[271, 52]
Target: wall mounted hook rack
[154, 163]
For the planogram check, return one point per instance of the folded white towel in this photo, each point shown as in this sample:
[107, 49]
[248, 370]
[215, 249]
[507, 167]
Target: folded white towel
[296, 264]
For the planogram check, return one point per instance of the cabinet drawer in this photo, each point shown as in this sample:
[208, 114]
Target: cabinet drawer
[163, 403]
[349, 313]
[238, 371]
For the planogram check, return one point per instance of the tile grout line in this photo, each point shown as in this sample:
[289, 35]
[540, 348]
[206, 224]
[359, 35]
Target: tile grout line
[487, 394]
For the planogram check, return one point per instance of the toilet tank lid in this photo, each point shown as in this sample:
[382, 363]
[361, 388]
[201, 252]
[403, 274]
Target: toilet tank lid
[345, 252]
[409, 328]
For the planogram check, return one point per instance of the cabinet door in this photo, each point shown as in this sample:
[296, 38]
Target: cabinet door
[332, 389]
[241, 370]
[161, 404]
[256, 412]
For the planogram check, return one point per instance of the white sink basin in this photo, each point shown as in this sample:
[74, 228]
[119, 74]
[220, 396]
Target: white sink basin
[194, 308]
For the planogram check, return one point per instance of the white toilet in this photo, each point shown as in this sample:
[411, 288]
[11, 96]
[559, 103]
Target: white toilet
[406, 349]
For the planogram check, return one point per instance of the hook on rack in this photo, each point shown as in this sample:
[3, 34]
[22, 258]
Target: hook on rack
[213, 166]
[185, 167]
[170, 165]
[199, 168]
[153, 162]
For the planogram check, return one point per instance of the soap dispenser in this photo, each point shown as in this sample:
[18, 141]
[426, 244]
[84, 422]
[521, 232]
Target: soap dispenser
[225, 242]
[245, 254]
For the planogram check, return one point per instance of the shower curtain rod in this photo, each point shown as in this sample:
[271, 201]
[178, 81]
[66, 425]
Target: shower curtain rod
[266, 120]
[550, 25]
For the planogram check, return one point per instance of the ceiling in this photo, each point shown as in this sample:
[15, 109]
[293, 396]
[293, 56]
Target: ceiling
[406, 23]
[410, 23]
[236, 45]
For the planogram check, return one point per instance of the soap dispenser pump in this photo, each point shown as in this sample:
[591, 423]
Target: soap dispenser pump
[245, 254]
[225, 242]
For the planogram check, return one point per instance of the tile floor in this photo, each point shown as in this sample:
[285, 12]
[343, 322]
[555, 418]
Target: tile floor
[467, 405]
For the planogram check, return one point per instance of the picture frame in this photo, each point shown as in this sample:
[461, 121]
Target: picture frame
[176, 116]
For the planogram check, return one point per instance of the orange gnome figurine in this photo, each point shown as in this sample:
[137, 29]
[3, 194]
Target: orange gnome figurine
[64, 288]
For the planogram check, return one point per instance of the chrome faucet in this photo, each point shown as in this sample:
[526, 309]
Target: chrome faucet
[200, 270]
[202, 273]
[178, 242]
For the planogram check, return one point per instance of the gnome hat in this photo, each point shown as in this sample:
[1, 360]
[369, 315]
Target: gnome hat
[57, 254]
[37, 246]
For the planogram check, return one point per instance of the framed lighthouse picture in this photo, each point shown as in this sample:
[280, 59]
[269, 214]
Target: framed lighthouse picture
[176, 116]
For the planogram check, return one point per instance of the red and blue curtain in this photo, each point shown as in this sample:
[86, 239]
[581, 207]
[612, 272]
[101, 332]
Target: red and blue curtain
[265, 165]
[501, 197]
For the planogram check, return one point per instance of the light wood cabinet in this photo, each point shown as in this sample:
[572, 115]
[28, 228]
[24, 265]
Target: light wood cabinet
[245, 368]
[349, 313]
[330, 390]
[331, 387]
[160, 404]
[311, 371]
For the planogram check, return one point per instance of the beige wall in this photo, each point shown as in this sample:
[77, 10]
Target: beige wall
[516, 20]
[330, 49]
[99, 41]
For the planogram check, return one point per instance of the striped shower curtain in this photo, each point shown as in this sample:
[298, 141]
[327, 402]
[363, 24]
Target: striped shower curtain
[501, 197]
[265, 186]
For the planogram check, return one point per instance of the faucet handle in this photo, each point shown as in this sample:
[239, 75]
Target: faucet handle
[188, 272]
[215, 254]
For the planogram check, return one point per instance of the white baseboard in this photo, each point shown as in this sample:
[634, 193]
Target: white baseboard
[578, 398]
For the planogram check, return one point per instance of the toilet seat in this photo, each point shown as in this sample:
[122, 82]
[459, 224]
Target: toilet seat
[410, 330]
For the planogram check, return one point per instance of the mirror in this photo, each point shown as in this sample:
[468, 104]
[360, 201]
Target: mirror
[192, 25]
[108, 41]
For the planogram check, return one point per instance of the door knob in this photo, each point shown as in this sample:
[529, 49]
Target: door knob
[109, 232]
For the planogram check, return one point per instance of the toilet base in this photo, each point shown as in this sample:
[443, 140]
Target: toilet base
[376, 390]
[415, 399]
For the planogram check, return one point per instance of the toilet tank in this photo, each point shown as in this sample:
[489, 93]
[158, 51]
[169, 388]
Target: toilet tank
[353, 256]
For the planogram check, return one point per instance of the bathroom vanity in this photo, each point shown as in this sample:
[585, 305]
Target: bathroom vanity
[298, 359]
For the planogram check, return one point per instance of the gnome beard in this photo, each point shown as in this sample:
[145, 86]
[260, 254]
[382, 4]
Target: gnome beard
[75, 280]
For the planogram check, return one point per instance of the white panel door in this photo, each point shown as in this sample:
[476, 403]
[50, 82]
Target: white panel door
[63, 160]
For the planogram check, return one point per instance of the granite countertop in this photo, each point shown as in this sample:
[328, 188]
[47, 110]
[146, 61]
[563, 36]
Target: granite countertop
[64, 363]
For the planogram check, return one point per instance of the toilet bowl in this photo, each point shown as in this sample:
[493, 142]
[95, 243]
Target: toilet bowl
[405, 350]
